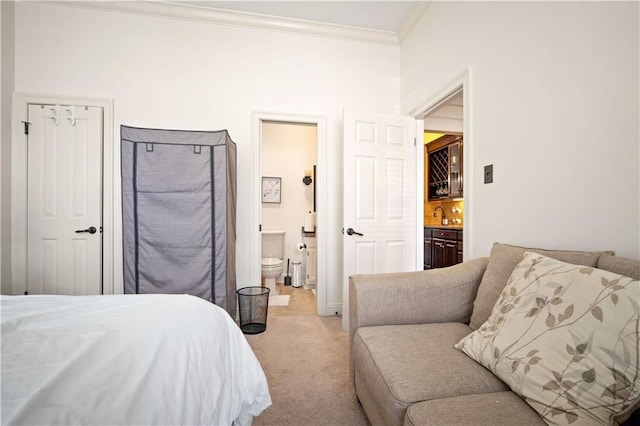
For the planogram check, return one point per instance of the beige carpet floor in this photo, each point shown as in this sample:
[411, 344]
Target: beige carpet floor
[305, 359]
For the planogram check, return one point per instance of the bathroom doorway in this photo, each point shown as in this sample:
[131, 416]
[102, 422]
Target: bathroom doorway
[289, 198]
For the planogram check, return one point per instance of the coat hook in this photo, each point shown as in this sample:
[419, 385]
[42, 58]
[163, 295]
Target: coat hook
[72, 115]
[56, 114]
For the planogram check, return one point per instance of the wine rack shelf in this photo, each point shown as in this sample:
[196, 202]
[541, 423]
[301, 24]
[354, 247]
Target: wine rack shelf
[445, 169]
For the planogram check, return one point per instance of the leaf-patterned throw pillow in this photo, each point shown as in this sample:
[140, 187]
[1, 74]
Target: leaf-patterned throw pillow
[565, 338]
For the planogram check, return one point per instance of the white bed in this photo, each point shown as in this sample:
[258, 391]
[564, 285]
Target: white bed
[126, 359]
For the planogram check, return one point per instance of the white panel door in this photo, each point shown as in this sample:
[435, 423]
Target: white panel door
[64, 200]
[380, 216]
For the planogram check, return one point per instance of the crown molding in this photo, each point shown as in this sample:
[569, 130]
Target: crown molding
[190, 12]
[415, 15]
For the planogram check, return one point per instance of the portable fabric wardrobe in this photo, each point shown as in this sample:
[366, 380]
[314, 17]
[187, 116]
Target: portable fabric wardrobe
[178, 208]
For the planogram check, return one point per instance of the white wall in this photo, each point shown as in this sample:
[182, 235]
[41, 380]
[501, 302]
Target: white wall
[7, 83]
[287, 150]
[170, 73]
[554, 107]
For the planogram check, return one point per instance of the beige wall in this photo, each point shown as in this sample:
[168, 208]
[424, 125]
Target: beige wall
[186, 74]
[554, 106]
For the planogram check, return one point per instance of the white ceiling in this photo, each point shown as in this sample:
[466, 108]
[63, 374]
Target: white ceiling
[377, 15]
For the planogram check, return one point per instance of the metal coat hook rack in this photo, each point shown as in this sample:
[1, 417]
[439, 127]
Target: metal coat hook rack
[70, 110]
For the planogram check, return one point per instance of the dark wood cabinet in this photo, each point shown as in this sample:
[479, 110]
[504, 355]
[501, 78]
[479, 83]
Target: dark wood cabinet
[427, 248]
[444, 247]
[444, 168]
[445, 253]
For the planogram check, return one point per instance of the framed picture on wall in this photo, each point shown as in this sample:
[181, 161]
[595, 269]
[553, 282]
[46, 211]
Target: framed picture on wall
[271, 189]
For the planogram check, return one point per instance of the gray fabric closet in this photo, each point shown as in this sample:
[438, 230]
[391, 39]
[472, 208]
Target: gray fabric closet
[178, 213]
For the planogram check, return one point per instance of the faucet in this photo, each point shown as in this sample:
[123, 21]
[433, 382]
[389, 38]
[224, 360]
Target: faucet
[444, 215]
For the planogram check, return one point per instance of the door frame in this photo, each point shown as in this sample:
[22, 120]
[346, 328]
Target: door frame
[423, 101]
[320, 121]
[19, 186]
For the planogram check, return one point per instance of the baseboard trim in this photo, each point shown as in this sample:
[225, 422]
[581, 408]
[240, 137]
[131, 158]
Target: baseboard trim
[334, 309]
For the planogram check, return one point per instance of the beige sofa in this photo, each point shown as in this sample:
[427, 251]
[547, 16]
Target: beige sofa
[403, 328]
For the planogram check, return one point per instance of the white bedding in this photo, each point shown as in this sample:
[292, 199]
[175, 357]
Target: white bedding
[126, 359]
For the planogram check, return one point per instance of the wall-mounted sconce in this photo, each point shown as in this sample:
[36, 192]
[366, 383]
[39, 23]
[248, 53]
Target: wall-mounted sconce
[307, 177]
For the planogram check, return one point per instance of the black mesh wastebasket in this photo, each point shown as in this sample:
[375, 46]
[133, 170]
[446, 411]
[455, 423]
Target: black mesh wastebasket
[253, 303]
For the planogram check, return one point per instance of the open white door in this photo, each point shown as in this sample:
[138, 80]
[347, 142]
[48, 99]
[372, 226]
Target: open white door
[380, 191]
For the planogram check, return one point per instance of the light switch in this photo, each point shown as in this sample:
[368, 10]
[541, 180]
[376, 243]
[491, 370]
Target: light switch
[488, 173]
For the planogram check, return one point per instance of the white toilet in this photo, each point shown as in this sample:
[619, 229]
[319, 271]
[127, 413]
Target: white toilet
[271, 263]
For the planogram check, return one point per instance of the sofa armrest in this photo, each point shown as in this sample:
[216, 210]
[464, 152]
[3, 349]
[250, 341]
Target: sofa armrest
[436, 295]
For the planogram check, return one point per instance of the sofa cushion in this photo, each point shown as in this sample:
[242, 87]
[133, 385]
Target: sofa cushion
[620, 265]
[483, 409]
[503, 259]
[402, 364]
[565, 338]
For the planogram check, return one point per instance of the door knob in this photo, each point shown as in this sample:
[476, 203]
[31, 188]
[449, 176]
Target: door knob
[91, 230]
[350, 231]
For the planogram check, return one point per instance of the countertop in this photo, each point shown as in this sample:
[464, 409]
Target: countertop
[456, 227]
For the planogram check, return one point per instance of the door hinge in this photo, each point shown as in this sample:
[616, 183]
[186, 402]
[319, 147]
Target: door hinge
[26, 127]
[415, 141]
